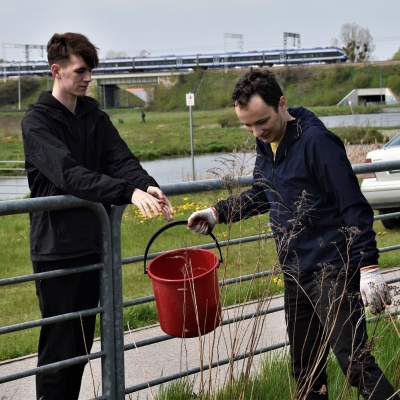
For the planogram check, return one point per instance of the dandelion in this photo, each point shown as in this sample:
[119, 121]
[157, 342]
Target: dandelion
[278, 281]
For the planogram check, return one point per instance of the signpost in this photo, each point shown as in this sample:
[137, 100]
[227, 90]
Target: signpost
[190, 104]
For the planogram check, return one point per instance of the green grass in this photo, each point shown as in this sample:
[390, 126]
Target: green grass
[163, 135]
[273, 381]
[168, 134]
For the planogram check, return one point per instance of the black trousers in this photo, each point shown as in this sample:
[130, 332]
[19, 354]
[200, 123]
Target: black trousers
[67, 339]
[324, 311]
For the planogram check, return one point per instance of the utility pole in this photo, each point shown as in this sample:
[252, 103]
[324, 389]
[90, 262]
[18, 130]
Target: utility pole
[27, 48]
[231, 36]
[295, 36]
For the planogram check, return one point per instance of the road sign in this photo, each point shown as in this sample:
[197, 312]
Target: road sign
[190, 99]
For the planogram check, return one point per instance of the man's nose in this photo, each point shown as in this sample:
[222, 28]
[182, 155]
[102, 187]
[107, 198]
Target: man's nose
[88, 76]
[257, 131]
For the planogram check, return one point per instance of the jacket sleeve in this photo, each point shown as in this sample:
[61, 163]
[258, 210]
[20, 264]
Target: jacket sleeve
[122, 163]
[334, 173]
[46, 154]
[245, 205]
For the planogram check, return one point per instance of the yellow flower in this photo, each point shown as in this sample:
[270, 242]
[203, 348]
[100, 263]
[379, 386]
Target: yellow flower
[278, 281]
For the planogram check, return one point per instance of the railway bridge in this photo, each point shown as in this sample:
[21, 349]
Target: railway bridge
[109, 85]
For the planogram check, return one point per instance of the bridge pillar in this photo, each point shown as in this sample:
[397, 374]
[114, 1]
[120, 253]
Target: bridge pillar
[110, 96]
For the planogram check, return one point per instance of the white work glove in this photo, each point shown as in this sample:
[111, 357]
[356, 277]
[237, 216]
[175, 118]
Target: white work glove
[375, 292]
[203, 221]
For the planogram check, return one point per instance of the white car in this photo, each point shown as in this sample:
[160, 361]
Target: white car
[382, 189]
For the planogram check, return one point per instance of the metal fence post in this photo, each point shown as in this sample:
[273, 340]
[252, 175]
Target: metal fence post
[115, 224]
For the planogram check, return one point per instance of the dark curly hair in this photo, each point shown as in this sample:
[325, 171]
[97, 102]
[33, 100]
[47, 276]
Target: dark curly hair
[257, 81]
[61, 46]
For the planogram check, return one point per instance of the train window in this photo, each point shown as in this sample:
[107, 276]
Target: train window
[206, 60]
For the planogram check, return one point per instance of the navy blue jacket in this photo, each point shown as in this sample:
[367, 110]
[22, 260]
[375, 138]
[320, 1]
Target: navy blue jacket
[319, 217]
[80, 154]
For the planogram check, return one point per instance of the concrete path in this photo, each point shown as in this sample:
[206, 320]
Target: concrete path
[175, 355]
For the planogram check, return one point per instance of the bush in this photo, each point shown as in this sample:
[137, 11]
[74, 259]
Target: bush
[229, 121]
[9, 90]
[394, 83]
[355, 135]
[362, 80]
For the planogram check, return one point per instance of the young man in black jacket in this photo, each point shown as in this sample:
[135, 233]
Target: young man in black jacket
[323, 231]
[71, 147]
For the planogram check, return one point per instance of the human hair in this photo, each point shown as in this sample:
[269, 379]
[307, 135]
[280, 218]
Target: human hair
[61, 46]
[257, 81]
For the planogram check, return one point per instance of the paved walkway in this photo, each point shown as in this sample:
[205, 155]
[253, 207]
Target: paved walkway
[169, 357]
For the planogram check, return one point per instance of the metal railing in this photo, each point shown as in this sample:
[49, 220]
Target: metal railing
[111, 306]
[106, 308]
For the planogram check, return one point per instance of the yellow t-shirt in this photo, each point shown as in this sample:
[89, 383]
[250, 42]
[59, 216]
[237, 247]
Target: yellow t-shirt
[274, 146]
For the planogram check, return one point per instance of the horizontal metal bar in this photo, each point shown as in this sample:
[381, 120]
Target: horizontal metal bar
[50, 320]
[51, 274]
[51, 367]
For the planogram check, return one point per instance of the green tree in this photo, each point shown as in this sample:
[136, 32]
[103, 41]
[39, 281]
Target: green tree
[396, 56]
[357, 42]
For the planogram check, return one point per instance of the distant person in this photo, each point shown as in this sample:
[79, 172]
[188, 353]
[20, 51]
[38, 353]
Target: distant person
[143, 117]
[322, 225]
[71, 147]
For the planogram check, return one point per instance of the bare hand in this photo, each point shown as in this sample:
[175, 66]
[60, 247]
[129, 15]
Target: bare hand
[147, 204]
[167, 209]
[160, 202]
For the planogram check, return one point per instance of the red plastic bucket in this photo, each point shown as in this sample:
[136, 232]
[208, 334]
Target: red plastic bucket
[186, 289]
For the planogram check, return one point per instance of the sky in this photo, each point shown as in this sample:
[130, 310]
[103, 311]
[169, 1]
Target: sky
[163, 27]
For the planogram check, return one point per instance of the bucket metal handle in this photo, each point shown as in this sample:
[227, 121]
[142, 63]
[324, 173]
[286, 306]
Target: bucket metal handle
[170, 225]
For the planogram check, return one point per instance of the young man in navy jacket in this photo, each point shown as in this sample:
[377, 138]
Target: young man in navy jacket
[323, 232]
[71, 147]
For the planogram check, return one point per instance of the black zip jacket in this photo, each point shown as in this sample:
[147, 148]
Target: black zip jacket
[319, 217]
[82, 155]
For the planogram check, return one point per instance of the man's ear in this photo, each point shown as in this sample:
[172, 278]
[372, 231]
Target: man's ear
[55, 70]
[282, 102]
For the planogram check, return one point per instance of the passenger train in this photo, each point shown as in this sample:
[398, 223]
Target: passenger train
[181, 62]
